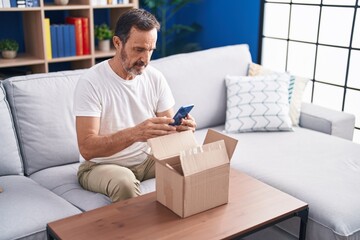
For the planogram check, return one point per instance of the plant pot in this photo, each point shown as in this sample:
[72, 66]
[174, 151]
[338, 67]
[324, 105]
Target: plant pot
[61, 2]
[7, 54]
[104, 45]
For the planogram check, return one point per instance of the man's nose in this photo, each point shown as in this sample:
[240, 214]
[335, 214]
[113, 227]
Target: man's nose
[145, 57]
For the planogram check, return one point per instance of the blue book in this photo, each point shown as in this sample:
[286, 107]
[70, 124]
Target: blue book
[53, 41]
[72, 40]
[60, 40]
[66, 35]
[13, 3]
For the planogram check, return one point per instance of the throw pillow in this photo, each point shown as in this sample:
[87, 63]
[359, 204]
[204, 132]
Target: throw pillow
[257, 103]
[296, 90]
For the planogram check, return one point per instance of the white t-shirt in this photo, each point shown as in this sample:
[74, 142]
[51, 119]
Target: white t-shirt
[121, 104]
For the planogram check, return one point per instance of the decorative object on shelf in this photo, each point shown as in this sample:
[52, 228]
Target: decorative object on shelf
[61, 2]
[103, 34]
[173, 37]
[9, 48]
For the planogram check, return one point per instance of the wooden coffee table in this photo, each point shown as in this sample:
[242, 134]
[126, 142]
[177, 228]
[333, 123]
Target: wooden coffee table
[252, 206]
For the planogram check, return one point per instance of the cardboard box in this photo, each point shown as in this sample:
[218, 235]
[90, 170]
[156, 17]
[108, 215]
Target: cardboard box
[191, 178]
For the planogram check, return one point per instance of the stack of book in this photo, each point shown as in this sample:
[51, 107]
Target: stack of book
[19, 3]
[70, 39]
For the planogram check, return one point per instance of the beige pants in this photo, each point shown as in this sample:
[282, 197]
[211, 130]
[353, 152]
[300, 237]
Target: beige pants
[116, 182]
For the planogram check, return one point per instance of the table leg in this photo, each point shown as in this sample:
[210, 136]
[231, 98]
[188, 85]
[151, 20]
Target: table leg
[48, 234]
[303, 215]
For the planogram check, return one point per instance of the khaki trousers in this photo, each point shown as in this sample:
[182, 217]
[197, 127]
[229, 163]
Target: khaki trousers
[116, 182]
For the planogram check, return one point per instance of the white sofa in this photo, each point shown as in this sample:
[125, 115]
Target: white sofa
[316, 162]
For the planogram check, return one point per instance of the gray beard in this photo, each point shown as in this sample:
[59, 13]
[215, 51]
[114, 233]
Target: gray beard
[130, 70]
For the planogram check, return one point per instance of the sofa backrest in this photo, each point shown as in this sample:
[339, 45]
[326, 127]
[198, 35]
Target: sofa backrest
[41, 106]
[199, 78]
[10, 158]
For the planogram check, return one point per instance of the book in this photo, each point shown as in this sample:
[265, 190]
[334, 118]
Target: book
[60, 40]
[86, 37]
[53, 34]
[72, 40]
[47, 38]
[78, 34]
[66, 36]
[20, 3]
[12, 3]
[6, 3]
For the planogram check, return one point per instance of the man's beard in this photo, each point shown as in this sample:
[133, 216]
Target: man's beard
[132, 69]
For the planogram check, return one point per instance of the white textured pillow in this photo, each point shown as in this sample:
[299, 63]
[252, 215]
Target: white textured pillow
[257, 103]
[296, 90]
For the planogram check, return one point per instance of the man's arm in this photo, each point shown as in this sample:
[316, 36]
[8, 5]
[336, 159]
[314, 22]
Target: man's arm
[92, 145]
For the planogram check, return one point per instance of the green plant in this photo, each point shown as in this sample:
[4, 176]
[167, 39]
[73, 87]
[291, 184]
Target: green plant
[9, 45]
[103, 32]
[173, 36]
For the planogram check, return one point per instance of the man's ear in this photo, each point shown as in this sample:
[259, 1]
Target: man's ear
[117, 42]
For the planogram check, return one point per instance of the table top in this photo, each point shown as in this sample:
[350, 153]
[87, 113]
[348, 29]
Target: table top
[252, 204]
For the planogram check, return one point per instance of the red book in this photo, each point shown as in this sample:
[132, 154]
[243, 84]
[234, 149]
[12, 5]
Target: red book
[86, 37]
[78, 34]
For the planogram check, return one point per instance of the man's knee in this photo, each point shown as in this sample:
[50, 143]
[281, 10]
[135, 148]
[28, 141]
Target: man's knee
[123, 187]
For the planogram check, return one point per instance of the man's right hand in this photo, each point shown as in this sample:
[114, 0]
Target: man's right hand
[154, 127]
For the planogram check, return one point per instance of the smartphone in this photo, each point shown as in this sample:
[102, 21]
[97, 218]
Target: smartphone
[181, 113]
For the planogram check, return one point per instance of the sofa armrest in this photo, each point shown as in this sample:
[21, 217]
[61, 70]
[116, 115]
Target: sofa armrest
[326, 120]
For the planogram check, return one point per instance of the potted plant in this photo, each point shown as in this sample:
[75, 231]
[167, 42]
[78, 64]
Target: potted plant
[9, 48]
[103, 34]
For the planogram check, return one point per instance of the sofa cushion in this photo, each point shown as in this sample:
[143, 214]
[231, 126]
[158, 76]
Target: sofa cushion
[63, 181]
[10, 159]
[204, 69]
[296, 91]
[258, 70]
[26, 208]
[44, 100]
[257, 103]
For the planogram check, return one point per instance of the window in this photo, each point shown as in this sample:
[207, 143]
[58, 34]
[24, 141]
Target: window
[320, 40]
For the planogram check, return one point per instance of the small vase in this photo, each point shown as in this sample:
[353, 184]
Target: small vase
[104, 45]
[8, 54]
[61, 2]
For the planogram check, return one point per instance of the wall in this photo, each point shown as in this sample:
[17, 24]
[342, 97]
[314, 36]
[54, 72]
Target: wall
[225, 22]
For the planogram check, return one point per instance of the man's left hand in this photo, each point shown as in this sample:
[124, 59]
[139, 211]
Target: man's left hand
[187, 123]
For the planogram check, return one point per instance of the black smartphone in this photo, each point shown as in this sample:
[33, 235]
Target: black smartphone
[181, 113]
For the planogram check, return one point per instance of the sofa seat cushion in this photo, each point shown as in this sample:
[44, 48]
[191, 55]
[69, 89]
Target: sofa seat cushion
[26, 208]
[301, 164]
[10, 159]
[62, 180]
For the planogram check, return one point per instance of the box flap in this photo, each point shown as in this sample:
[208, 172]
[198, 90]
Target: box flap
[170, 145]
[208, 156]
[230, 143]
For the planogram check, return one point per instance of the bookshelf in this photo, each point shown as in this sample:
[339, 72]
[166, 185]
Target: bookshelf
[33, 31]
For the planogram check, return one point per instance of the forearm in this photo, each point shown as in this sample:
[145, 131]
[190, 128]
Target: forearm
[95, 146]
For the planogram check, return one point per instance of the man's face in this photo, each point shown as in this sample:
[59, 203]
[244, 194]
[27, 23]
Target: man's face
[136, 53]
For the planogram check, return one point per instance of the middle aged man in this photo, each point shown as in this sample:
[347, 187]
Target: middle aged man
[119, 104]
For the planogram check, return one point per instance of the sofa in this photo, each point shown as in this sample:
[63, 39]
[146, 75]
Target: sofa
[315, 161]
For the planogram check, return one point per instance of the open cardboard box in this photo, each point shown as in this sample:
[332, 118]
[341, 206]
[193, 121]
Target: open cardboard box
[191, 178]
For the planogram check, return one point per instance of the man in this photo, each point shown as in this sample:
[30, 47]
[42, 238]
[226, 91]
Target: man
[119, 104]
